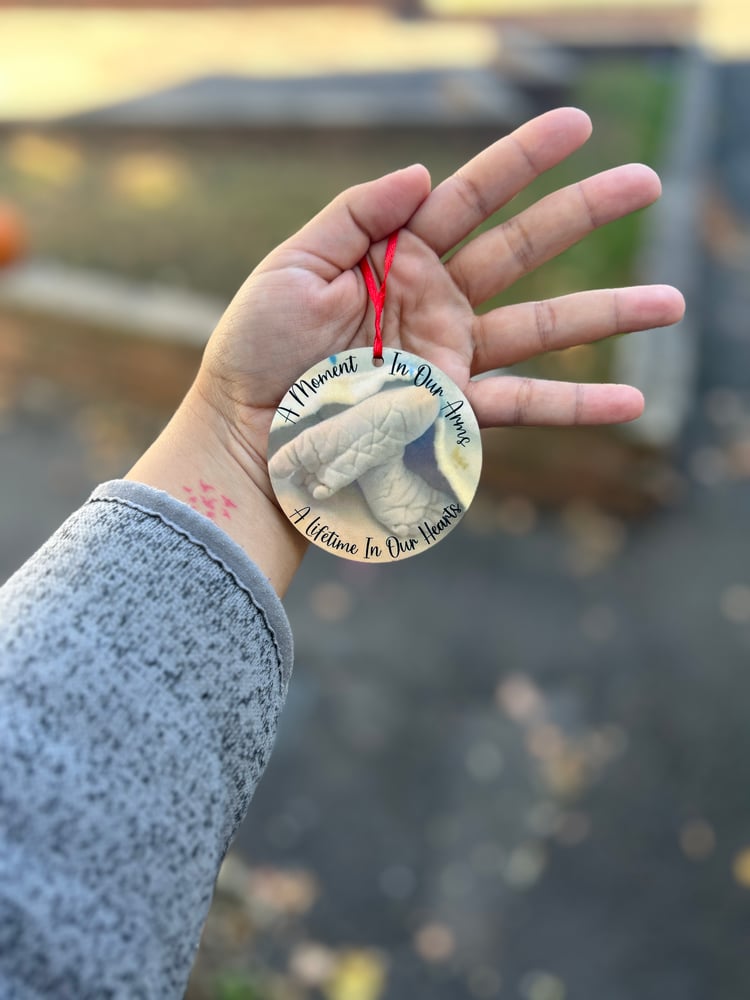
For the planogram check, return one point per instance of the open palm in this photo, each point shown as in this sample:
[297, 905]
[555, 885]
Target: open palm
[307, 299]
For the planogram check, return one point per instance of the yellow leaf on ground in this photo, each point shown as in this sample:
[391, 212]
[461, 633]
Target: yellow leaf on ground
[360, 975]
[741, 867]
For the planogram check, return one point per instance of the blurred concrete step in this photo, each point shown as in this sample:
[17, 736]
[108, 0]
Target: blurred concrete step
[104, 301]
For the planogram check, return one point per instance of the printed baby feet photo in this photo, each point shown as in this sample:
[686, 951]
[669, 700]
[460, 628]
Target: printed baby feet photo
[365, 444]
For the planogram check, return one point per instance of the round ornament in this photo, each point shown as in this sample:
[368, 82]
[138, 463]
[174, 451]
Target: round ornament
[374, 462]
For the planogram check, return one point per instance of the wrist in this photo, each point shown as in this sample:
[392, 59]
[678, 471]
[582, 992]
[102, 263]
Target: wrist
[203, 459]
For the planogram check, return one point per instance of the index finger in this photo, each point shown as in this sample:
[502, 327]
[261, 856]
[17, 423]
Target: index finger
[487, 182]
[342, 233]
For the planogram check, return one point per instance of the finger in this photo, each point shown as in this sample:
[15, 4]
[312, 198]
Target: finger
[497, 258]
[483, 185]
[339, 236]
[515, 333]
[510, 401]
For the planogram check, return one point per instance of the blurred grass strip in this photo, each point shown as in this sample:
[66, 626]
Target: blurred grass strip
[629, 101]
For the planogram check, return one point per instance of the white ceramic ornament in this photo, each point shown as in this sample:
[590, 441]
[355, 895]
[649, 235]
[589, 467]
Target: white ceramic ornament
[374, 462]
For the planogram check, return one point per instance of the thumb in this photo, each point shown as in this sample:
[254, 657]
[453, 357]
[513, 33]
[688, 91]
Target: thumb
[342, 233]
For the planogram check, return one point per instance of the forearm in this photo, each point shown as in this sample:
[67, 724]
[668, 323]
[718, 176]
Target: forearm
[144, 665]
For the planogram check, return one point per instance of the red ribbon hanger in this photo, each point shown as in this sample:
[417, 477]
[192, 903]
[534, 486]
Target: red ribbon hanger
[377, 292]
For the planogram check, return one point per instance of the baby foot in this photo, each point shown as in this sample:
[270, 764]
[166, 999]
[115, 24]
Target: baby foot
[339, 451]
[399, 498]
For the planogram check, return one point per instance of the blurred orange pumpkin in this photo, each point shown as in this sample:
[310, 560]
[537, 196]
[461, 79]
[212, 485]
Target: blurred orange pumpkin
[13, 237]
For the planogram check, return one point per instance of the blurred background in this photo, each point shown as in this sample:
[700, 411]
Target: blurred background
[514, 768]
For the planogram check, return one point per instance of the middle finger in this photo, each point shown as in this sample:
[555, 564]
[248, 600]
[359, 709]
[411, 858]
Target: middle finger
[495, 259]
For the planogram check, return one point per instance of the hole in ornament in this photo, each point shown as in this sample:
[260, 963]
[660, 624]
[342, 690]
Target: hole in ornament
[377, 362]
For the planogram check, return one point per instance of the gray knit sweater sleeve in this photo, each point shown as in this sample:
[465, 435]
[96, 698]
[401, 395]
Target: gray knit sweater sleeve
[143, 664]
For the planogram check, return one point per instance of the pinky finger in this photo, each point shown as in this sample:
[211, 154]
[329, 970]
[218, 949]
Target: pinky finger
[513, 401]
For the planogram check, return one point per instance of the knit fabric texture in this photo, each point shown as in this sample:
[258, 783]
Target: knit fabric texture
[144, 661]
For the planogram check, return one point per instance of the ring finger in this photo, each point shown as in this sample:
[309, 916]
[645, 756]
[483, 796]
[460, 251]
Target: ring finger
[514, 333]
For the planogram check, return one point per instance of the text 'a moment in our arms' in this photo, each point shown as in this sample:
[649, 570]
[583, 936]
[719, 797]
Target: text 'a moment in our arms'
[421, 376]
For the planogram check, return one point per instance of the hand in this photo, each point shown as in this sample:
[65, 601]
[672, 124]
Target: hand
[308, 299]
